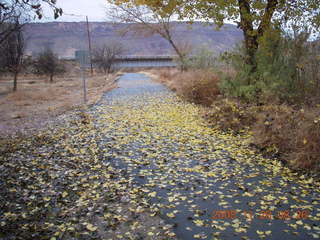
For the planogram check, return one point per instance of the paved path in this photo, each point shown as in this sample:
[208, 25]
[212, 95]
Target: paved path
[207, 184]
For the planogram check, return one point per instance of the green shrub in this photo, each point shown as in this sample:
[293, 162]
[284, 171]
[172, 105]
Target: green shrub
[242, 83]
[288, 70]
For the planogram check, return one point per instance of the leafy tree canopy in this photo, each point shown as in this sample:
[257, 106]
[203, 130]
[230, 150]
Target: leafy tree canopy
[258, 12]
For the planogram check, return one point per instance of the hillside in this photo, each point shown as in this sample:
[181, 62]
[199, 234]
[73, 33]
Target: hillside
[67, 37]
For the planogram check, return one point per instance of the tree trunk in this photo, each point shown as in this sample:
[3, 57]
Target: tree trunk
[250, 35]
[15, 81]
[181, 57]
[251, 45]
[51, 78]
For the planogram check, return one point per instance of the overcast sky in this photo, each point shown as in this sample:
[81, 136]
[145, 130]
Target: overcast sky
[94, 9]
[76, 10]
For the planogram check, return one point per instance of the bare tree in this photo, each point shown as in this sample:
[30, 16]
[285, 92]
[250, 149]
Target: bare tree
[12, 51]
[48, 63]
[8, 22]
[148, 21]
[105, 56]
[24, 10]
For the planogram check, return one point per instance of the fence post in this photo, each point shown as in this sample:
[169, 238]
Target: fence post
[84, 85]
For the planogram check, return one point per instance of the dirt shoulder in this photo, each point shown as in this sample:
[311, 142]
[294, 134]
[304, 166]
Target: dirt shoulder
[38, 102]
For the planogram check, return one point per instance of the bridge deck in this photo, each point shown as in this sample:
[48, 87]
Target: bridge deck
[145, 61]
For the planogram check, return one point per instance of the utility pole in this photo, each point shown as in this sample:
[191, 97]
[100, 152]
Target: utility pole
[83, 70]
[90, 48]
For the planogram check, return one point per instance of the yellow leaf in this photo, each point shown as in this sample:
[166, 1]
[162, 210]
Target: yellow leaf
[171, 234]
[310, 181]
[268, 232]
[199, 223]
[260, 232]
[211, 174]
[239, 230]
[315, 235]
[307, 227]
[153, 194]
[171, 215]
[91, 228]
[47, 198]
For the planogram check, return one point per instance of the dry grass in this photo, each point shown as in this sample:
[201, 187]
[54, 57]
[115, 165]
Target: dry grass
[166, 76]
[295, 134]
[278, 130]
[200, 86]
[37, 100]
[230, 115]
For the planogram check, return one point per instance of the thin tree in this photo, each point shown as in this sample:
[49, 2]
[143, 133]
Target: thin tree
[48, 63]
[12, 51]
[146, 20]
[105, 56]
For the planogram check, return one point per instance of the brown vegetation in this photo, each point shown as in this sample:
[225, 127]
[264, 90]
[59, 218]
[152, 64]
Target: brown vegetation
[198, 86]
[294, 133]
[229, 115]
[278, 130]
[37, 100]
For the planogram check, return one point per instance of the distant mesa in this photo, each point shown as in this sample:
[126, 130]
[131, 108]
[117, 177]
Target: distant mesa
[65, 38]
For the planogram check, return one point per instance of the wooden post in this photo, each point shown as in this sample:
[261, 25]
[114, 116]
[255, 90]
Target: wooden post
[90, 48]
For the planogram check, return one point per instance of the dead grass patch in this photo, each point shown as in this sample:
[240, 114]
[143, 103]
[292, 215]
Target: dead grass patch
[34, 103]
[197, 86]
[295, 134]
[230, 115]
[278, 130]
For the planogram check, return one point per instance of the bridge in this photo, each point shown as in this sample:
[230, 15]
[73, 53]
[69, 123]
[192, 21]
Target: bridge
[132, 61]
[145, 61]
